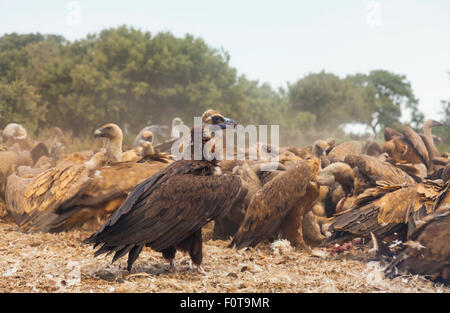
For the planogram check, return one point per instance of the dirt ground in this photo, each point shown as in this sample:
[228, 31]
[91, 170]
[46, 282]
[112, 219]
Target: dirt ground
[43, 262]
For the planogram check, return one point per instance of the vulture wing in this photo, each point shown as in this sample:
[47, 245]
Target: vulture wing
[42, 196]
[338, 153]
[417, 142]
[116, 180]
[271, 204]
[165, 209]
[390, 133]
[428, 250]
[402, 208]
[375, 170]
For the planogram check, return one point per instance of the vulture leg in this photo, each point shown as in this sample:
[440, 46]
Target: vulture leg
[169, 254]
[193, 245]
[292, 229]
[224, 229]
[195, 251]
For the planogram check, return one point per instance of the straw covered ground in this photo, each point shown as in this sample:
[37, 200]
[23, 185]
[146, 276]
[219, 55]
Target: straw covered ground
[43, 262]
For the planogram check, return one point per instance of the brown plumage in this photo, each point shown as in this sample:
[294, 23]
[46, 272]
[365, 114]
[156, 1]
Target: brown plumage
[372, 148]
[279, 206]
[428, 250]
[408, 149]
[390, 133]
[114, 136]
[9, 161]
[386, 209]
[338, 153]
[52, 200]
[167, 211]
[427, 138]
[369, 170]
[229, 224]
[209, 117]
[35, 202]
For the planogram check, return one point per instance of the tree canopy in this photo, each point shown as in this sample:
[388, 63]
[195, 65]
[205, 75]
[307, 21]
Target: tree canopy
[133, 78]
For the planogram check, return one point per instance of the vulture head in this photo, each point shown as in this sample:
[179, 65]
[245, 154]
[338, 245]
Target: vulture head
[110, 131]
[113, 133]
[341, 173]
[177, 121]
[146, 143]
[147, 136]
[431, 123]
[14, 131]
[211, 117]
[338, 172]
[320, 148]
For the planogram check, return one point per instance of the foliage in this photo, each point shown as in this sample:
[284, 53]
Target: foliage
[134, 78]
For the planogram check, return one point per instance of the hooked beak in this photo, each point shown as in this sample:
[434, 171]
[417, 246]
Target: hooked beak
[228, 122]
[98, 133]
[436, 123]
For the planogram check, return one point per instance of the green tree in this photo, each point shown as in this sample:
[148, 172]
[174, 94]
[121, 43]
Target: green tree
[329, 101]
[20, 103]
[386, 94]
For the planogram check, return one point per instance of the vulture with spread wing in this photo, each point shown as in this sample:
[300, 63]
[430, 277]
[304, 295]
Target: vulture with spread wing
[76, 191]
[386, 210]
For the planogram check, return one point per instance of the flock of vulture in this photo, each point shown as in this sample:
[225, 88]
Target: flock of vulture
[394, 199]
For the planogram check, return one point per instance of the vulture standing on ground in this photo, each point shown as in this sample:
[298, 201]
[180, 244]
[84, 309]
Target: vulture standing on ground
[280, 205]
[167, 211]
[229, 224]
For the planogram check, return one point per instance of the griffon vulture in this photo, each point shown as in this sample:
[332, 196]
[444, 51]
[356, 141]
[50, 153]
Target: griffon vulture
[75, 192]
[279, 206]
[386, 210]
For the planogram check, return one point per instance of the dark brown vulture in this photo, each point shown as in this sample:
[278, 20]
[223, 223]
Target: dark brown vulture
[209, 117]
[167, 211]
[278, 208]
[427, 252]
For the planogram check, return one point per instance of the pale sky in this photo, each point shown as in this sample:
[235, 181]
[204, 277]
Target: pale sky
[276, 41]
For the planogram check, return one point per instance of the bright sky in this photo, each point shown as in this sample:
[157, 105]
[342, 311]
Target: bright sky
[276, 41]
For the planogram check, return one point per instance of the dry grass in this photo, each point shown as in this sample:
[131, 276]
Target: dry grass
[61, 263]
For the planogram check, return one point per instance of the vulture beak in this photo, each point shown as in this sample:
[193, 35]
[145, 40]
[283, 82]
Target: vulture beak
[436, 123]
[98, 133]
[227, 122]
